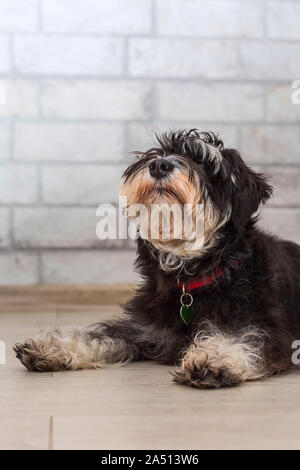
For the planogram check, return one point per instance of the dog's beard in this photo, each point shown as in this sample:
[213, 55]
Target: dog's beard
[188, 195]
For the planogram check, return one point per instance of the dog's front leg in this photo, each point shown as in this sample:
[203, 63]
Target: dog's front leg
[216, 359]
[92, 348]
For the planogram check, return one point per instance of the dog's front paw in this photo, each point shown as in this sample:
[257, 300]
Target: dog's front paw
[198, 370]
[216, 360]
[36, 355]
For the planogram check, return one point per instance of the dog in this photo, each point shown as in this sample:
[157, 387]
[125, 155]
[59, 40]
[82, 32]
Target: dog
[223, 312]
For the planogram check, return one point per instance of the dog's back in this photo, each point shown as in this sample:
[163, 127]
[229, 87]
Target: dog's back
[288, 256]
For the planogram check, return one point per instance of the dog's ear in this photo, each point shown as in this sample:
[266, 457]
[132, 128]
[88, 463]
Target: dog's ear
[249, 189]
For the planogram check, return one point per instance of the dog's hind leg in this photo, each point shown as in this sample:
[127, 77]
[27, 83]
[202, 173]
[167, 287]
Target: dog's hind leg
[78, 350]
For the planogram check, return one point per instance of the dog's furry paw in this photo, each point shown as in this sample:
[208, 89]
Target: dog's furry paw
[36, 356]
[197, 371]
[205, 378]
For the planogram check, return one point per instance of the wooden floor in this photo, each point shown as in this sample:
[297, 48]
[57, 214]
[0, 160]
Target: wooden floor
[133, 407]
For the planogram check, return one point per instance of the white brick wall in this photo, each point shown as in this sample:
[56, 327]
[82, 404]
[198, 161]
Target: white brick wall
[269, 60]
[83, 82]
[18, 268]
[54, 227]
[4, 141]
[81, 267]
[155, 57]
[87, 184]
[283, 20]
[94, 16]
[18, 15]
[283, 222]
[4, 53]
[4, 227]
[18, 184]
[21, 98]
[70, 142]
[279, 106]
[95, 99]
[271, 144]
[235, 18]
[57, 55]
[211, 102]
[284, 194]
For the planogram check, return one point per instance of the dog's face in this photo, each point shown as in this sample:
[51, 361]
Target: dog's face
[193, 168]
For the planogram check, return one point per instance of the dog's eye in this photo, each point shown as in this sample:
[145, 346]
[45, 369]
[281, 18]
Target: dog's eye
[198, 161]
[207, 166]
[203, 165]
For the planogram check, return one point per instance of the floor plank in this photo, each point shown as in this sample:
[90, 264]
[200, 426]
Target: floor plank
[209, 430]
[24, 433]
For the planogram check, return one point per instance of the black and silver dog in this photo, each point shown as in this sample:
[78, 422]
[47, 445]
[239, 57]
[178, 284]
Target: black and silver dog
[244, 285]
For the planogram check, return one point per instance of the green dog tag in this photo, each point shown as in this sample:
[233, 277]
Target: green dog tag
[186, 313]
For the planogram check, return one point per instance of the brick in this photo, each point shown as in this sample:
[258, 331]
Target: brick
[81, 184]
[4, 141]
[67, 142]
[18, 15]
[95, 99]
[94, 16]
[4, 54]
[59, 55]
[18, 184]
[142, 135]
[280, 107]
[155, 57]
[267, 144]
[269, 60]
[55, 227]
[210, 102]
[18, 268]
[19, 98]
[285, 181]
[282, 20]
[210, 18]
[4, 227]
[89, 267]
[285, 223]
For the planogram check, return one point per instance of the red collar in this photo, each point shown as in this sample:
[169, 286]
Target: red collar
[203, 281]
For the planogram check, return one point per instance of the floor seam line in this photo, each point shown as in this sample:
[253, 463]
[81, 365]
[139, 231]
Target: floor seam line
[50, 440]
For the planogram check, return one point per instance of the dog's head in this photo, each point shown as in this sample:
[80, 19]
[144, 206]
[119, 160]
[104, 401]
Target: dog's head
[193, 168]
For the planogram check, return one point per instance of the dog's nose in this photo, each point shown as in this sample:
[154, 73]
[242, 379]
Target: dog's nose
[160, 167]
